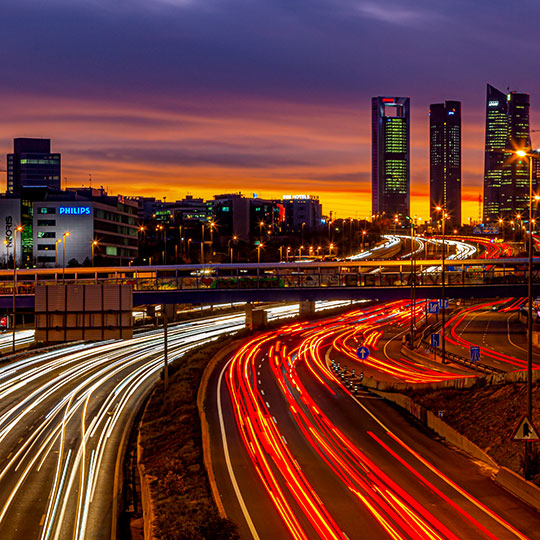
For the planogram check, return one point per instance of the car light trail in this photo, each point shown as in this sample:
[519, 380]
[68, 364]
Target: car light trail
[391, 507]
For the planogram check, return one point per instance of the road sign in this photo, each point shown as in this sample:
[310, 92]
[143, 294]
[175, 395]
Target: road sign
[435, 340]
[362, 352]
[433, 306]
[475, 354]
[446, 304]
[525, 431]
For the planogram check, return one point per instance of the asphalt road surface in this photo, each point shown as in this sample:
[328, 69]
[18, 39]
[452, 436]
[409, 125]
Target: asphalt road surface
[298, 455]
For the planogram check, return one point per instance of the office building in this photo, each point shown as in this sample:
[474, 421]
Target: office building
[445, 160]
[32, 165]
[391, 156]
[302, 211]
[506, 176]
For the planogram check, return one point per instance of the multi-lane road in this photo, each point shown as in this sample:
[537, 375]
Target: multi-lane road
[298, 454]
[64, 417]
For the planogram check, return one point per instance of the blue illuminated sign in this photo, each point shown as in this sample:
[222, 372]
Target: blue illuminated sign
[75, 210]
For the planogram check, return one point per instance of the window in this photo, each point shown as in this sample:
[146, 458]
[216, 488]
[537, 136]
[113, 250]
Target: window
[46, 222]
[46, 210]
[46, 247]
[45, 259]
[48, 234]
[111, 250]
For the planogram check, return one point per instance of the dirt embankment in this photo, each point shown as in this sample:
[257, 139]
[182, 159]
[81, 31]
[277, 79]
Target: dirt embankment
[488, 416]
[173, 457]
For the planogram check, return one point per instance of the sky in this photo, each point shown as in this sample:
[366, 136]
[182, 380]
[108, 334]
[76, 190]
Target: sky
[167, 98]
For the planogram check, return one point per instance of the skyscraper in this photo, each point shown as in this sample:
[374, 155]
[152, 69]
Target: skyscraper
[390, 117]
[445, 160]
[506, 177]
[32, 165]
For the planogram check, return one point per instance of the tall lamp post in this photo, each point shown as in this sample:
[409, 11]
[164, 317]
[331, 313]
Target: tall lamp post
[94, 244]
[413, 284]
[531, 156]
[56, 252]
[64, 236]
[443, 292]
[17, 229]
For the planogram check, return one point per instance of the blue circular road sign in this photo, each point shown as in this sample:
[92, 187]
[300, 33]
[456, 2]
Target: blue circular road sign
[362, 352]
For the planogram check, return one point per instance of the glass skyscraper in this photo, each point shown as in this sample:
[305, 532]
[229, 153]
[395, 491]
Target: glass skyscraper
[445, 160]
[390, 156]
[506, 177]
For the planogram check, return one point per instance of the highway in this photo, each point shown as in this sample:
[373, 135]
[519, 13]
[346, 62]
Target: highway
[499, 334]
[298, 454]
[64, 417]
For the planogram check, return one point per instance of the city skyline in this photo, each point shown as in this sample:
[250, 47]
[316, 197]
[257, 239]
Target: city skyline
[174, 117]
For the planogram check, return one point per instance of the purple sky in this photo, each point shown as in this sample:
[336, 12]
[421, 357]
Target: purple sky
[168, 97]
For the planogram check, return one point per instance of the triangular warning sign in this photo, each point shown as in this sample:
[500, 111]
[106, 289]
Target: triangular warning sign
[526, 431]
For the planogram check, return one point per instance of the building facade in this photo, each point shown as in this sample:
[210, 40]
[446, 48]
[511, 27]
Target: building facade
[506, 177]
[391, 156]
[445, 160]
[32, 165]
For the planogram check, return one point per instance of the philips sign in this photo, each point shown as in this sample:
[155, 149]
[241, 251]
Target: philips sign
[75, 210]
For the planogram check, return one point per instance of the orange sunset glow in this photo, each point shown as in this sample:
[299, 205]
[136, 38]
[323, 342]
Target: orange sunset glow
[266, 147]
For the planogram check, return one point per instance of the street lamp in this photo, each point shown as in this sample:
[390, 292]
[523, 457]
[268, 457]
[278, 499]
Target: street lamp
[413, 285]
[259, 252]
[364, 232]
[56, 252]
[531, 156]
[17, 229]
[64, 236]
[94, 244]
[443, 311]
[202, 245]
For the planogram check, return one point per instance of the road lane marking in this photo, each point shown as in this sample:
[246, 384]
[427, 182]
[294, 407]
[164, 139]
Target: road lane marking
[442, 477]
[232, 476]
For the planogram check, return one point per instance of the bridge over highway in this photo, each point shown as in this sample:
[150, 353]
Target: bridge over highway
[215, 283]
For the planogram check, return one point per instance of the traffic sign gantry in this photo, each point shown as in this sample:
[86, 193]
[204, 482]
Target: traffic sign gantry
[525, 431]
[475, 354]
[362, 352]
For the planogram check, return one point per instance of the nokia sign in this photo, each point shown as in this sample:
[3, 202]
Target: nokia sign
[75, 210]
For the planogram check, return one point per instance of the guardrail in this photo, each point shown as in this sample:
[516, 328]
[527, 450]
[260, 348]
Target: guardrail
[456, 358]
[343, 274]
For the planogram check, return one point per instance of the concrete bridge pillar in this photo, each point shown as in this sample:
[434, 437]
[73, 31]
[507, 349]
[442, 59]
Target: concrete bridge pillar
[307, 307]
[255, 317]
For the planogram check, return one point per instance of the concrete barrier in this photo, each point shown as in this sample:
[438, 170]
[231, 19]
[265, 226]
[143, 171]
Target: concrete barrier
[205, 432]
[518, 486]
[146, 495]
[515, 484]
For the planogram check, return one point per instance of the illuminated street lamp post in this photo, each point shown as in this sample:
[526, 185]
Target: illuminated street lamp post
[56, 252]
[259, 247]
[443, 278]
[64, 236]
[413, 285]
[17, 229]
[364, 232]
[94, 244]
[202, 245]
[522, 153]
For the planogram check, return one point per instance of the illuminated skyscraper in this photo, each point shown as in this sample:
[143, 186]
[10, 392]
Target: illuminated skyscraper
[506, 177]
[445, 160]
[390, 156]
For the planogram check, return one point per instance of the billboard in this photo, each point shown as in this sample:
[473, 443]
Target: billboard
[10, 218]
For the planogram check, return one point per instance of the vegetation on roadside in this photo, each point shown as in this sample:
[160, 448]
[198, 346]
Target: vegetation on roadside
[173, 456]
[488, 416]
[170, 436]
